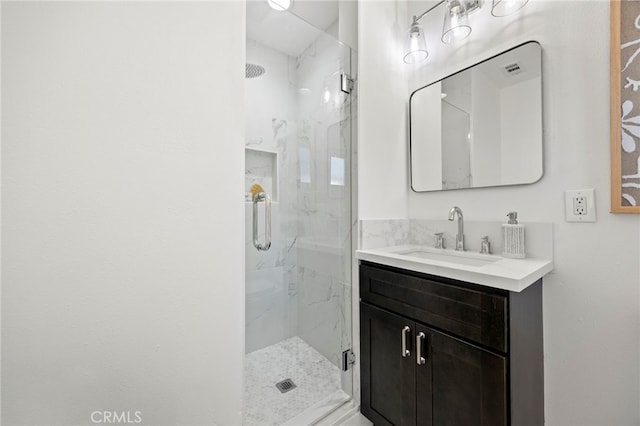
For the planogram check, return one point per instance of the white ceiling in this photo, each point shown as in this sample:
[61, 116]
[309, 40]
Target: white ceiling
[319, 13]
[287, 33]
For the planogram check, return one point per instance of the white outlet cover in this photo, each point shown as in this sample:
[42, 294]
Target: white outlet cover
[570, 195]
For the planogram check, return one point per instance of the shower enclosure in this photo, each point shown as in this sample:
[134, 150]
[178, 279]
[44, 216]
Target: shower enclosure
[456, 132]
[298, 220]
[456, 147]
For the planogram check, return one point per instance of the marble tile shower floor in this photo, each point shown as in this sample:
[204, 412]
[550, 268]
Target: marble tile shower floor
[315, 377]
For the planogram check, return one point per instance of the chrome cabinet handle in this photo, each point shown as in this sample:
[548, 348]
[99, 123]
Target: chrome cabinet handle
[261, 196]
[405, 351]
[420, 339]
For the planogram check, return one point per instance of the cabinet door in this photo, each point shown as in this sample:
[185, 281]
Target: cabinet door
[460, 384]
[388, 377]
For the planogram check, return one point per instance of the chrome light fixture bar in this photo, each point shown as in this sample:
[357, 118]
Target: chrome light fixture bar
[456, 24]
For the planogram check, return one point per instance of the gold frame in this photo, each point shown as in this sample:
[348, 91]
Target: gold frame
[615, 112]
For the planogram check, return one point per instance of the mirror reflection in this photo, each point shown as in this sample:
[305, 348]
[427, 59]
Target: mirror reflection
[481, 126]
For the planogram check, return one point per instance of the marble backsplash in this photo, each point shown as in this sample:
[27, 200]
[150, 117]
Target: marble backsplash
[375, 233]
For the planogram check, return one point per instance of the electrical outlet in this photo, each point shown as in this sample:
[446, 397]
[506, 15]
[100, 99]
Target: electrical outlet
[580, 205]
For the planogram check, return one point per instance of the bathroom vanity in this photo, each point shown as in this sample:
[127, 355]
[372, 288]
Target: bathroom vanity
[455, 337]
[438, 350]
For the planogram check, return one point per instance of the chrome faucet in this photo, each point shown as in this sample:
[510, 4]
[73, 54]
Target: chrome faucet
[455, 210]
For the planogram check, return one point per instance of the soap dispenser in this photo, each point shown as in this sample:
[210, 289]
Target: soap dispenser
[513, 238]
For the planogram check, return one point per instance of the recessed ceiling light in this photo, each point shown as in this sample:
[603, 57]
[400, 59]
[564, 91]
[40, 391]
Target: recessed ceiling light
[279, 5]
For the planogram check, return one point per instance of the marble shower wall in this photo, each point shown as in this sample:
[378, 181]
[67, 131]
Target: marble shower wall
[270, 100]
[302, 286]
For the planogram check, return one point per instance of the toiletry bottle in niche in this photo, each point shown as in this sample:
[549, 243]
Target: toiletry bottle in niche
[513, 238]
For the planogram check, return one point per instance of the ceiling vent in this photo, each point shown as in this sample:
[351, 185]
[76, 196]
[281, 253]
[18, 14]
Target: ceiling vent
[513, 69]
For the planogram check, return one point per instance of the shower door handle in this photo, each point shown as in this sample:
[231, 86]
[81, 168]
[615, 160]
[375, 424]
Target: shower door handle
[261, 196]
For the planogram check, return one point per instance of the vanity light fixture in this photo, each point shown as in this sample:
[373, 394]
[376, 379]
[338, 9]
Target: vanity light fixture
[279, 5]
[416, 46]
[456, 24]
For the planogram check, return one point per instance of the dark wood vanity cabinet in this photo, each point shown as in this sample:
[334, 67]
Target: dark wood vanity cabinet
[441, 352]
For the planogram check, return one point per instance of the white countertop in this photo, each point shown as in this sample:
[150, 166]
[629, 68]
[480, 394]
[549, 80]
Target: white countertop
[497, 272]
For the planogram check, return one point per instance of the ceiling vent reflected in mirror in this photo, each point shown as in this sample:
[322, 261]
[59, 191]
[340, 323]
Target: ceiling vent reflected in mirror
[513, 69]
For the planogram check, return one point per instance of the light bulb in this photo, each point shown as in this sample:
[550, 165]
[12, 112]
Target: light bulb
[506, 7]
[279, 5]
[326, 95]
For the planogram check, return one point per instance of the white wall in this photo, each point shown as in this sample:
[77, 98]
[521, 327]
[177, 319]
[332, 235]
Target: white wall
[382, 111]
[348, 22]
[381, 157]
[424, 134]
[122, 183]
[485, 141]
[591, 309]
[518, 136]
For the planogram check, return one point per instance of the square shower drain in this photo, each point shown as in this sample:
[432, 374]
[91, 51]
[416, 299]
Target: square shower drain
[285, 386]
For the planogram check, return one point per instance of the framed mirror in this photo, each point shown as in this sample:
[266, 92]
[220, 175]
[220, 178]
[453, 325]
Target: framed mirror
[481, 126]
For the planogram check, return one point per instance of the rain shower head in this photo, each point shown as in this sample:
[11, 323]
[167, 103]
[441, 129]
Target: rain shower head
[253, 70]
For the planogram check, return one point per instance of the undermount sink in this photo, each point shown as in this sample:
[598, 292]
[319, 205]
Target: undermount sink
[459, 257]
[484, 269]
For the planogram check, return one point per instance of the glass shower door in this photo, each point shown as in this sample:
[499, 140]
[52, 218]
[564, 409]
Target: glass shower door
[456, 151]
[298, 154]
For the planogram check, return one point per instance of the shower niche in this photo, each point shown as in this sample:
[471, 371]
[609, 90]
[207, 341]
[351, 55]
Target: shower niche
[261, 167]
